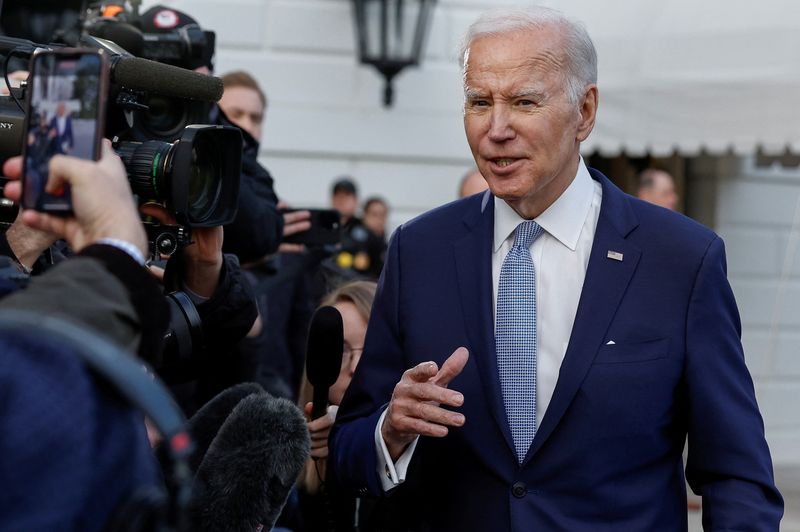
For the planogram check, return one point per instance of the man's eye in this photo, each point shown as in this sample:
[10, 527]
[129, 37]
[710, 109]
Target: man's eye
[526, 103]
[479, 103]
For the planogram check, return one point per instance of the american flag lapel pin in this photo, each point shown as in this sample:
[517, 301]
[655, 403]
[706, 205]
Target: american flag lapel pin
[615, 255]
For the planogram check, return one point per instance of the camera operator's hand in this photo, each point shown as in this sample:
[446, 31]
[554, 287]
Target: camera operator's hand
[202, 258]
[102, 202]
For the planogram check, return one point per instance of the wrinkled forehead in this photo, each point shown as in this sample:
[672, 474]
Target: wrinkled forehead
[532, 51]
[514, 66]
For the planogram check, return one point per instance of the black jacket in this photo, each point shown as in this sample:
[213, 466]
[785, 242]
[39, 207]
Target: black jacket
[257, 229]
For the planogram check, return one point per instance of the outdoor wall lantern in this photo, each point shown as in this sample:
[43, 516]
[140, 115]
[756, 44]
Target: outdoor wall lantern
[390, 35]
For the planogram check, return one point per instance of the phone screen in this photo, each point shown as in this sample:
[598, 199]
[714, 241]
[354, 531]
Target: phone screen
[64, 116]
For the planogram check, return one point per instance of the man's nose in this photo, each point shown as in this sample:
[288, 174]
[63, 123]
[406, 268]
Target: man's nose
[501, 127]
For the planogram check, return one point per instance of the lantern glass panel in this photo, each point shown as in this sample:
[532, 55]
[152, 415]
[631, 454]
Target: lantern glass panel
[391, 29]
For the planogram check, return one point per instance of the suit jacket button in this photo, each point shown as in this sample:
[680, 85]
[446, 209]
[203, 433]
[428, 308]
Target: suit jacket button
[519, 490]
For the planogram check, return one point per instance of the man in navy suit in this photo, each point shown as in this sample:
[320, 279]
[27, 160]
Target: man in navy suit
[550, 383]
[61, 124]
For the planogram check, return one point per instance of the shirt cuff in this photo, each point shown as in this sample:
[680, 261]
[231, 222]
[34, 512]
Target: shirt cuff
[392, 474]
[127, 247]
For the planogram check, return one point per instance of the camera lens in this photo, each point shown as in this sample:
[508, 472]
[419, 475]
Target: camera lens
[164, 117]
[197, 177]
[205, 180]
[148, 166]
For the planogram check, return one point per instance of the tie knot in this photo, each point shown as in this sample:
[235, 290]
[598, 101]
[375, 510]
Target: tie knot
[526, 233]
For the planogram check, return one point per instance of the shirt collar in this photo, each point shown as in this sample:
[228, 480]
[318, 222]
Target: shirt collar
[563, 219]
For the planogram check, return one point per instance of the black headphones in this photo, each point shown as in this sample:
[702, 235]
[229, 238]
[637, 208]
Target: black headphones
[148, 509]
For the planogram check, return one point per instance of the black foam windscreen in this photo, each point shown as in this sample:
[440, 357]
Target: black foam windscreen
[325, 345]
[167, 80]
[251, 466]
[204, 425]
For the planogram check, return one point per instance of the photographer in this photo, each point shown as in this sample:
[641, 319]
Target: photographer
[257, 230]
[60, 428]
[105, 287]
[213, 282]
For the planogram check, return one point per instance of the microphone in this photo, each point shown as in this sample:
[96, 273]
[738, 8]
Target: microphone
[324, 355]
[251, 466]
[157, 78]
[204, 425]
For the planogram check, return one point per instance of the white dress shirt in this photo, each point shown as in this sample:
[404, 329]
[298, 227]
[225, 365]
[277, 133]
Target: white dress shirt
[560, 258]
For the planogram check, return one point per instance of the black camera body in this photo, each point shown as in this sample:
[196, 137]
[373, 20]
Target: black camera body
[166, 239]
[159, 130]
[170, 155]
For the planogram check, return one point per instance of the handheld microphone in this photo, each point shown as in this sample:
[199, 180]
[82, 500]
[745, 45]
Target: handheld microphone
[324, 355]
[251, 466]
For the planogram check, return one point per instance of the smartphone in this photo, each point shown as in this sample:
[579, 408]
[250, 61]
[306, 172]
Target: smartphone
[65, 115]
[325, 228]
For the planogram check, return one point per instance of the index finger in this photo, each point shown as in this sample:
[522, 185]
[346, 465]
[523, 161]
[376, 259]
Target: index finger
[422, 372]
[12, 168]
[452, 367]
[296, 216]
[65, 169]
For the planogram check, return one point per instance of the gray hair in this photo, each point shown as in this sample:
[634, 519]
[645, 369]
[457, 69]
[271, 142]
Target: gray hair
[579, 50]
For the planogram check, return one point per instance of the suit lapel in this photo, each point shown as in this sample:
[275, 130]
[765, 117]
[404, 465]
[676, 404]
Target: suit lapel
[473, 257]
[603, 287]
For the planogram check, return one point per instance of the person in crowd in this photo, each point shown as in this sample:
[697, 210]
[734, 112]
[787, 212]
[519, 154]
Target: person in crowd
[211, 279]
[472, 183]
[657, 187]
[361, 250]
[536, 357]
[376, 212]
[244, 102]
[354, 301]
[60, 428]
[344, 198]
[257, 230]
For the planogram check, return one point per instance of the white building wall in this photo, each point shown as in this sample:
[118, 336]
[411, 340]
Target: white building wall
[757, 213]
[325, 119]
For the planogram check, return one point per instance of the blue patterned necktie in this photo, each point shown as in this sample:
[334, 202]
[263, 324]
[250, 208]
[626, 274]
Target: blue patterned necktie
[515, 337]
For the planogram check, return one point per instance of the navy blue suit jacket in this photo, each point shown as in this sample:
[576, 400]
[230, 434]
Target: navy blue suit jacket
[607, 454]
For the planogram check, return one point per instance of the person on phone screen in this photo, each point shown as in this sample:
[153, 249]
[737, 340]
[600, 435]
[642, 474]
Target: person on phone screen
[61, 124]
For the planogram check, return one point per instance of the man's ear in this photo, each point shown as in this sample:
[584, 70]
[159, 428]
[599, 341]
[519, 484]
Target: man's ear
[588, 112]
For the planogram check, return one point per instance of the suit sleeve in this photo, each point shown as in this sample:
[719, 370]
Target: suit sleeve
[352, 442]
[728, 459]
